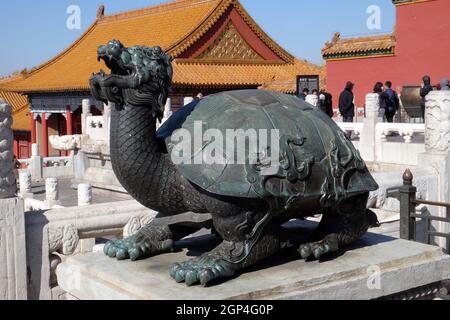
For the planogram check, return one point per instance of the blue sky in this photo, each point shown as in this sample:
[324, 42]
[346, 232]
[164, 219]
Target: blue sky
[32, 32]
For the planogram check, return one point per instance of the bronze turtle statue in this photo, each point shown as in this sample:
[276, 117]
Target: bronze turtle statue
[308, 167]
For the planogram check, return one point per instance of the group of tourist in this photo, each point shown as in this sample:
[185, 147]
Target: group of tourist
[389, 101]
[324, 100]
[388, 98]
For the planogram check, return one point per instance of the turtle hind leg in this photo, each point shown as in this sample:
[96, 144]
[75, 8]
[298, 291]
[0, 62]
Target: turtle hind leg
[230, 257]
[340, 227]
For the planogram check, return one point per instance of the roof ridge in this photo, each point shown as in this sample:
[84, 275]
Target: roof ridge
[155, 9]
[214, 16]
[60, 55]
[280, 51]
[375, 36]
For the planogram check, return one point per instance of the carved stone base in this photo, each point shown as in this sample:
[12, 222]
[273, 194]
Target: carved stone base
[375, 267]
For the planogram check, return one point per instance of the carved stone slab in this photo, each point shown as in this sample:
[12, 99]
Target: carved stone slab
[437, 122]
[377, 266]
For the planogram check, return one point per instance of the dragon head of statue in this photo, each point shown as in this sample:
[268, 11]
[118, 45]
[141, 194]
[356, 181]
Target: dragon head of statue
[140, 76]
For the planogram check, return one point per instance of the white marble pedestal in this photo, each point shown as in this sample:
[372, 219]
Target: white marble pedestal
[377, 266]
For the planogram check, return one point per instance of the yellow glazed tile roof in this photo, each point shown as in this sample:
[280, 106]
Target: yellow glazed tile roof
[20, 107]
[21, 120]
[19, 104]
[370, 44]
[240, 74]
[175, 26]
[286, 81]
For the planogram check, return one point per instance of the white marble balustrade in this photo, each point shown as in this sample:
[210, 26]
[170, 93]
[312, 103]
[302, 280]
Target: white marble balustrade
[95, 128]
[406, 130]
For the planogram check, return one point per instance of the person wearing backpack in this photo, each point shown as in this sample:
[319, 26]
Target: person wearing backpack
[326, 103]
[392, 102]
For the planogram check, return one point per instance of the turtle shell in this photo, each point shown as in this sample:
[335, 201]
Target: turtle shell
[314, 156]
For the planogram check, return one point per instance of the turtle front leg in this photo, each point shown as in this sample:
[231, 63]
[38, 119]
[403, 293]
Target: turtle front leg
[150, 241]
[218, 264]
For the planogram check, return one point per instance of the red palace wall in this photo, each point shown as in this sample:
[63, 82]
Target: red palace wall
[423, 47]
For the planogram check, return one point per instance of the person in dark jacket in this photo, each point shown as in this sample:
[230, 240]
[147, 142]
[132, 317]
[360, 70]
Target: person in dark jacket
[392, 102]
[346, 105]
[326, 103]
[424, 91]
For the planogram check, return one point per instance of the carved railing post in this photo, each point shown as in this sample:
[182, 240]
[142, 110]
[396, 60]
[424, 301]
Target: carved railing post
[368, 138]
[8, 186]
[13, 276]
[437, 152]
[407, 194]
[36, 163]
[437, 122]
[86, 112]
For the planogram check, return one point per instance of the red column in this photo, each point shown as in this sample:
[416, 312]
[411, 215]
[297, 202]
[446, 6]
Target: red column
[44, 135]
[69, 121]
[33, 128]
[16, 147]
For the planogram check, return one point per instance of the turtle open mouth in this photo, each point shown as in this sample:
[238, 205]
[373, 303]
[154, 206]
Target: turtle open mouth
[113, 63]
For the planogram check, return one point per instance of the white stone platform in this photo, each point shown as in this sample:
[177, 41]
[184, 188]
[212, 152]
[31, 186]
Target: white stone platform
[377, 266]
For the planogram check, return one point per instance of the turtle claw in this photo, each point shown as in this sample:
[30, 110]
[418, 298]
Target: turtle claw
[202, 270]
[137, 247]
[318, 249]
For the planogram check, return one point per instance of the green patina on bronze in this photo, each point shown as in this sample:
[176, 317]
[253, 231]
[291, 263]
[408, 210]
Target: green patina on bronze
[318, 171]
[308, 140]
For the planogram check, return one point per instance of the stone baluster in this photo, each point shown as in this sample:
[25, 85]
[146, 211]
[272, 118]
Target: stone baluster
[13, 272]
[51, 192]
[85, 199]
[437, 154]
[407, 134]
[368, 139]
[84, 194]
[86, 112]
[36, 163]
[25, 185]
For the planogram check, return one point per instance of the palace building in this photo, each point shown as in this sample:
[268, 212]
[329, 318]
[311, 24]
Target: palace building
[419, 46]
[216, 46]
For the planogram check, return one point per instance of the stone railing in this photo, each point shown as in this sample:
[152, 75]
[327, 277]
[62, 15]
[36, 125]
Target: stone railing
[51, 167]
[95, 128]
[391, 143]
[53, 235]
[405, 130]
